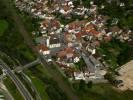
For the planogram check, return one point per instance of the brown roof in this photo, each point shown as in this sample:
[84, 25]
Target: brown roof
[51, 23]
[69, 50]
[94, 32]
[65, 52]
[79, 35]
[61, 54]
[68, 37]
[55, 23]
[42, 47]
[88, 27]
[76, 24]
[115, 29]
[45, 23]
[107, 38]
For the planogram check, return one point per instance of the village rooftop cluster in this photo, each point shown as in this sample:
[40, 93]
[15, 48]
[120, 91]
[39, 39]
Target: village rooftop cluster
[73, 47]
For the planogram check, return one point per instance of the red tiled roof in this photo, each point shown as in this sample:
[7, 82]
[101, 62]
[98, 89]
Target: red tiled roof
[42, 47]
[61, 54]
[78, 35]
[88, 27]
[51, 23]
[65, 52]
[45, 23]
[55, 23]
[69, 50]
[94, 32]
[107, 38]
[75, 25]
[67, 37]
[66, 8]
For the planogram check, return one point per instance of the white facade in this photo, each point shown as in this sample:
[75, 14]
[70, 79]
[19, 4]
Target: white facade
[79, 76]
[76, 59]
[45, 52]
[54, 45]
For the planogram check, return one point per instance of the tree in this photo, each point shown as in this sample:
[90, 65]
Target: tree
[86, 3]
[127, 21]
[125, 55]
[109, 77]
[82, 85]
[89, 84]
[76, 3]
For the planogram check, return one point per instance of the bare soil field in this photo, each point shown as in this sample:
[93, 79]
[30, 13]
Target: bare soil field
[126, 74]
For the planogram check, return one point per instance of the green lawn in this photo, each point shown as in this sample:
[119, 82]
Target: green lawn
[3, 26]
[40, 86]
[12, 89]
[43, 70]
[45, 84]
[105, 92]
[35, 74]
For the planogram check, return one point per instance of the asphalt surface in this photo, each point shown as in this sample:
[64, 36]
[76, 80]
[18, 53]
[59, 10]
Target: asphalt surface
[16, 80]
[55, 74]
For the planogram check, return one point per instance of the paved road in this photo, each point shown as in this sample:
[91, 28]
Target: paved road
[16, 80]
[55, 75]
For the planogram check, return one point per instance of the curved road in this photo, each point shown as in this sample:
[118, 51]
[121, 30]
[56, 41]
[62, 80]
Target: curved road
[25, 93]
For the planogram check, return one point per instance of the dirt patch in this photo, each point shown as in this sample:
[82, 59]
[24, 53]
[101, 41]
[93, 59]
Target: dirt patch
[126, 74]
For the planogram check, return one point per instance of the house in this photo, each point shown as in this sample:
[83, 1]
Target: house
[80, 10]
[67, 52]
[94, 32]
[53, 41]
[66, 7]
[68, 56]
[90, 49]
[93, 9]
[69, 37]
[88, 27]
[50, 26]
[43, 49]
[79, 76]
[115, 29]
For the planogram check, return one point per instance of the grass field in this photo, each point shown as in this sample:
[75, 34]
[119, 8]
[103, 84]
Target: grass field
[46, 87]
[105, 92]
[40, 86]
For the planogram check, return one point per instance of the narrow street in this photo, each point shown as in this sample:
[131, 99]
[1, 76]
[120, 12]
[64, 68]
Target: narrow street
[54, 73]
